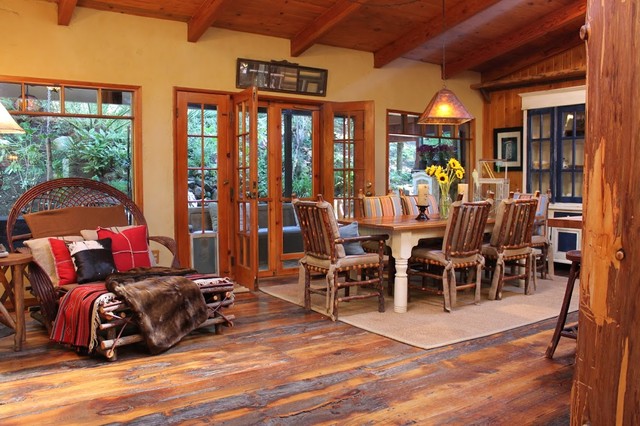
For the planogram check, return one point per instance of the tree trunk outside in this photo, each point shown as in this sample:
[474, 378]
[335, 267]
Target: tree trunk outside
[606, 387]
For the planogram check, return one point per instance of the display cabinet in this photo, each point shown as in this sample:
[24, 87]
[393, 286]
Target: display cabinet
[554, 128]
[556, 152]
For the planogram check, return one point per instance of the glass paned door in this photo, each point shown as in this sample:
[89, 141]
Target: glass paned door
[246, 186]
[348, 161]
[202, 181]
[202, 187]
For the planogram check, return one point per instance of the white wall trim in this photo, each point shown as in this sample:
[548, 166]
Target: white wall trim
[556, 97]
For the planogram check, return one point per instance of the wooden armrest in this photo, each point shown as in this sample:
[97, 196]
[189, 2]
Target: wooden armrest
[171, 245]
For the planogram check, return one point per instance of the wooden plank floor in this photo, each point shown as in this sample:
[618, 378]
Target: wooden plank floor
[280, 365]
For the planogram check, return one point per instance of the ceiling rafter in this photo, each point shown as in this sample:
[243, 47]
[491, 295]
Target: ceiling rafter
[539, 28]
[308, 37]
[425, 31]
[65, 11]
[204, 18]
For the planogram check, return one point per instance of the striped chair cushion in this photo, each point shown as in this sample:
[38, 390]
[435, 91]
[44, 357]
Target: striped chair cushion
[384, 205]
[411, 205]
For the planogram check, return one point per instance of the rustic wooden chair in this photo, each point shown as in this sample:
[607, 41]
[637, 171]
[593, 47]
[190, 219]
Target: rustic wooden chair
[460, 251]
[540, 238]
[511, 242]
[378, 206]
[324, 253]
[51, 198]
[410, 205]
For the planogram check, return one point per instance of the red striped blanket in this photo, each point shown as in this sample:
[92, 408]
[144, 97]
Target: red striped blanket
[76, 315]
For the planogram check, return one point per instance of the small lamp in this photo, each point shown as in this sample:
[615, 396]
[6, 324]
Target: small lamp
[7, 123]
[445, 107]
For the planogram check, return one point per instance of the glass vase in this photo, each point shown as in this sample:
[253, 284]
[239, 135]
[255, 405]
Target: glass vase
[445, 205]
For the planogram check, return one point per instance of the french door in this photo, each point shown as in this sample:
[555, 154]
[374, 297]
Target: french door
[239, 163]
[245, 198]
[202, 189]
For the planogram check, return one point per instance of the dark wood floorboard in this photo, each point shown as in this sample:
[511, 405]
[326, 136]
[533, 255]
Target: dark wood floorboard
[280, 365]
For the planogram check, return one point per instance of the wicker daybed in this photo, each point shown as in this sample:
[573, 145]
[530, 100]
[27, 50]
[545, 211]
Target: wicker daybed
[117, 325]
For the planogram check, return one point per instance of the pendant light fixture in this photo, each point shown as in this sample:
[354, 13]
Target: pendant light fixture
[445, 107]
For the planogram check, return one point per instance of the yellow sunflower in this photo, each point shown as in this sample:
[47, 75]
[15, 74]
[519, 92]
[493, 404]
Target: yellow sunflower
[442, 177]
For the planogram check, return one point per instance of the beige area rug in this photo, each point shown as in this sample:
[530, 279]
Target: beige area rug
[427, 325]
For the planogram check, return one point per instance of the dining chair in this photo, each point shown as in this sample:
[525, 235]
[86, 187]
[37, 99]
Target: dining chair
[461, 250]
[540, 238]
[410, 205]
[381, 206]
[511, 243]
[324, 253]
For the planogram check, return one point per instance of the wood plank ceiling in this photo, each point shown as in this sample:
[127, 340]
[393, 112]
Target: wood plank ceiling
[493, 37]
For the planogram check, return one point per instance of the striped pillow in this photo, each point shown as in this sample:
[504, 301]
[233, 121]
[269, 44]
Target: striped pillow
[385, 205]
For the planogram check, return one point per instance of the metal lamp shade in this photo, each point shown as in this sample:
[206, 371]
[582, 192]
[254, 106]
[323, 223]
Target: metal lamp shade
[445, 108]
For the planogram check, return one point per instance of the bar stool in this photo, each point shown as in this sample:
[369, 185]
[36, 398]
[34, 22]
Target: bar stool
[575, 256]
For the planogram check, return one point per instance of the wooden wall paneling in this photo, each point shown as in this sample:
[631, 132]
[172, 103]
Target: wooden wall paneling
[505, 106]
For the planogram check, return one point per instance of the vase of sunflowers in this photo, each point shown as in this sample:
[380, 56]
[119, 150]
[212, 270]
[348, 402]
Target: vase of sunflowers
[446, 176]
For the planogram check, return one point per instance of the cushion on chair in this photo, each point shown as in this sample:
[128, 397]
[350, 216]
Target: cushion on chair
[64, 264]
[384, 205]
[351, 230]
[93, 260]
[71, 220]
[129, 247]
[42, 255]
[492, 251]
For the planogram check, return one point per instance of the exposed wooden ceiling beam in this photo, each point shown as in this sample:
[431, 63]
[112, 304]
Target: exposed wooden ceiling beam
[424, 32]
[534, 57]
[551, 22]
[204, 17]
[65, 10]
[542, 78]
[308, 37]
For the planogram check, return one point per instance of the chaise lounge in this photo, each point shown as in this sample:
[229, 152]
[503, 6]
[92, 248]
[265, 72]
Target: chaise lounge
[69, 211]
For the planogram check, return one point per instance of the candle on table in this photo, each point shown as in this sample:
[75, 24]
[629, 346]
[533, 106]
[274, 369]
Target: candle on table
[423, 192]
[463, 188]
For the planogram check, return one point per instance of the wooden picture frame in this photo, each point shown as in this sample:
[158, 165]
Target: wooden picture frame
[281, 76]
[507, 147]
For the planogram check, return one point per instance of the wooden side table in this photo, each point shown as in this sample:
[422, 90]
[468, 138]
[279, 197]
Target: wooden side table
[14, 288]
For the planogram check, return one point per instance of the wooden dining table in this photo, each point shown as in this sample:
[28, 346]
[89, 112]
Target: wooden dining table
[404, 233]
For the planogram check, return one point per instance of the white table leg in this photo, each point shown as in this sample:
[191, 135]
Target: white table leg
[400, 286]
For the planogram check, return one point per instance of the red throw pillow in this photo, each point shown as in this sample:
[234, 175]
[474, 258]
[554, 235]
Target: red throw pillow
[64, 265]
[129, 247]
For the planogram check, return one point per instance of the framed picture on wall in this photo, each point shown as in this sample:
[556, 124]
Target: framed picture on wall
[507, 147]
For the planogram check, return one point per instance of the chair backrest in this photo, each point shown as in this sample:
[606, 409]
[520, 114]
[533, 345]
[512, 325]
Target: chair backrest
[380, 205]
[465, 228]
[319, 229]
[410, 204]
[542, 210]
[63, 193]
[514, 223]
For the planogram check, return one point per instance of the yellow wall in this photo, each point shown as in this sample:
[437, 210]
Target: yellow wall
[105, 47]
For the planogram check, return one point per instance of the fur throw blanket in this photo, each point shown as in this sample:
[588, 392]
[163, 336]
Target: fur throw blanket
[166, 304]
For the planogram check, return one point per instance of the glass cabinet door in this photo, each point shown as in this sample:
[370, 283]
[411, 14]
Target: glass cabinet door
[541, 150]
[556, 152]
[571, 153]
